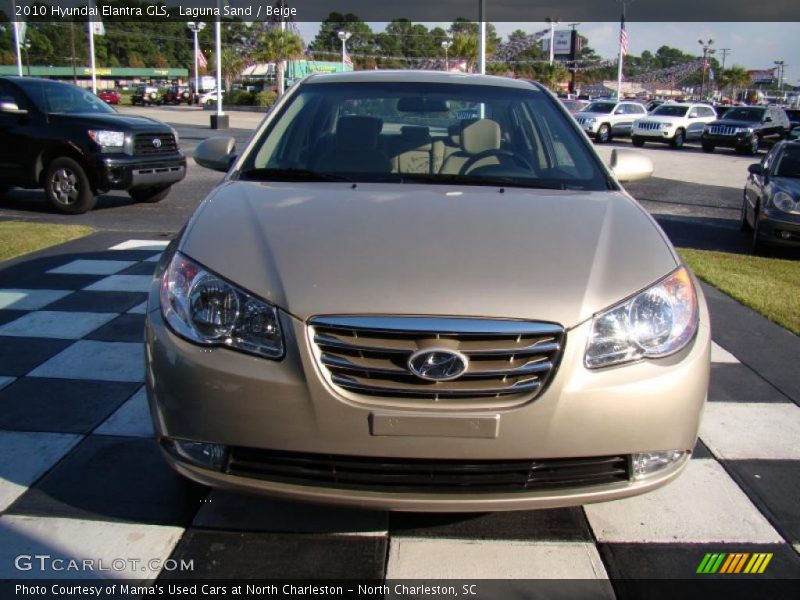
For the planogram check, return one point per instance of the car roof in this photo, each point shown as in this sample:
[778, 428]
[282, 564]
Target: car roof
[411, 76]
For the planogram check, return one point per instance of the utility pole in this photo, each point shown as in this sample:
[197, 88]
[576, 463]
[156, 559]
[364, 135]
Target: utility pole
[781, 65]
[446, 45]
[482, 40]
[553, 23]
[724, 52]
[573, 55]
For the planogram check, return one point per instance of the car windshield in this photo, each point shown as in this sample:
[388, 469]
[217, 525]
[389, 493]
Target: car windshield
[744, 114]
[666, 110]
[572, 104]
[788, 163]
[53, 97]
[424, 132]
[600, 107]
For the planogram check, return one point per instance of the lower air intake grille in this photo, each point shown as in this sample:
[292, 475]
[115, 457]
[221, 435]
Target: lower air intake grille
[369, 356]
[424, 475]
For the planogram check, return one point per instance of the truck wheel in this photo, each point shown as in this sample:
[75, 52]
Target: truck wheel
[603, 134]
[637, 141]
[151, 194]
[67, 187]
[678, 139]
[709, 148]
[743, 224]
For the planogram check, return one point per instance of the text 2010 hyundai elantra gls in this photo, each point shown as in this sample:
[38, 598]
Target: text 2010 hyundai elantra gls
[424, 291]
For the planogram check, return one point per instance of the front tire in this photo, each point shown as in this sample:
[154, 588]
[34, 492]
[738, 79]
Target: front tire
[755, 145]
[637, 141]
[744, 225]
[603, 135]
[757, 247]
[67, 187]
[678, 139]
[150, 195]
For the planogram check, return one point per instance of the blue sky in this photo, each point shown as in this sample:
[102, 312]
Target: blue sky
[752, 45]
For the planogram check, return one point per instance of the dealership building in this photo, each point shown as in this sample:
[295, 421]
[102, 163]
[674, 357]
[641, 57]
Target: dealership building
[114, 77]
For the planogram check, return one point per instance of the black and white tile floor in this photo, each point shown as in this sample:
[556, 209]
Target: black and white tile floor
[81, 476]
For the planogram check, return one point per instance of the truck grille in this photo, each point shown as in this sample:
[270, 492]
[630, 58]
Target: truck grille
[144, 144]
[648, 125]
[719, 130]
[425, 475]
[581, 120]
[370, 356]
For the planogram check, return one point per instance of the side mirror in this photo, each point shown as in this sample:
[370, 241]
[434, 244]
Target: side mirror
[217, 153]
[9, 107]
[628, 165]
[755, 169]
[767, 119]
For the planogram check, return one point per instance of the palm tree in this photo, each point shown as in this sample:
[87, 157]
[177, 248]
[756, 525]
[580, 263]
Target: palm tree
[465, 46]
[738, 78]
[233, 63]
[278, 45]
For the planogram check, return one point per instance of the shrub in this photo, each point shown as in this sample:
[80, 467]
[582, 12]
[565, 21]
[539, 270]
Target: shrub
[239, 97]
[265, 99]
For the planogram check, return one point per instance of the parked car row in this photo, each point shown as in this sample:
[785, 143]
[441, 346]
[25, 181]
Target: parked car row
[146, 95]
[745, 129]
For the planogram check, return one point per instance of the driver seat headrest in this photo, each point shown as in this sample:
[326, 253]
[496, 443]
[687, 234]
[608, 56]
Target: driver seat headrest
[480, 136]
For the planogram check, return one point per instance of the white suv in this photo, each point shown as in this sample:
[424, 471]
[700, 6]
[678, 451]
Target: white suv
[604, 119]
[673, 123]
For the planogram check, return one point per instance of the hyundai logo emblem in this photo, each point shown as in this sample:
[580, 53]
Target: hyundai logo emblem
[156, 142]
[438, 364]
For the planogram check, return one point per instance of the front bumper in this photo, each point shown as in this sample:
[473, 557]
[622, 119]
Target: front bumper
[224, 397]
[779, 228]
[654, 135]
[123, 172]
[740, 140]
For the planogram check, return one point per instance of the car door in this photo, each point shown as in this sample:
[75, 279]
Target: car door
[17, 148]
[771, 127]
[622, 120]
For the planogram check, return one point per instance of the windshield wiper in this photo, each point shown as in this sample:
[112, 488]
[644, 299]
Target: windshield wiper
[493, 180]
[289, 175]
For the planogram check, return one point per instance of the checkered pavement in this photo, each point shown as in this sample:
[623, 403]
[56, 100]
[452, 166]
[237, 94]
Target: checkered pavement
[81, 475]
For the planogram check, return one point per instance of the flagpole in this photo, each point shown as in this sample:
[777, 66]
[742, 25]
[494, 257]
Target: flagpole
[19, 50]
[619, 72]
[91, 56]
[624, 3]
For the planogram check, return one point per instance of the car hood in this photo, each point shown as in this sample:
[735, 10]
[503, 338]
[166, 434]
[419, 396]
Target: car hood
[593, 114]
[111, 120]
[788, 184]
[333, 248]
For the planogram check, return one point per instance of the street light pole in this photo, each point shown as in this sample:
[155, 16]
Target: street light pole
[28, 56]
[706, 51]
[553, 23]
[780, 64]
[196, 28]
[446, 45]
[344, 36]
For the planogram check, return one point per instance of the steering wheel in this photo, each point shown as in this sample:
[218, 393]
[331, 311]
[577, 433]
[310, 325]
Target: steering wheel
[494, 152]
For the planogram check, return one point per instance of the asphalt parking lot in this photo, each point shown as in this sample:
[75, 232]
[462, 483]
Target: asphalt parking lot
[81, 476]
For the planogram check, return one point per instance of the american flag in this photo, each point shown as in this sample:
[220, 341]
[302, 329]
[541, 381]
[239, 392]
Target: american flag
[201, 59]
[623, 37]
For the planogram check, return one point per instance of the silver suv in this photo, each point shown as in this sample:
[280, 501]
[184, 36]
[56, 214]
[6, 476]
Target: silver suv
[606, 119]
[673, 123]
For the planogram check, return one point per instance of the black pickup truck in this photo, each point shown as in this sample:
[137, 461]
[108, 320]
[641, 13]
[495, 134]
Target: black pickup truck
[746, 129]
[64, 139]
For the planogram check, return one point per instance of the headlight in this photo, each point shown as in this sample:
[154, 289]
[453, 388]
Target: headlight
[656, 322]
[666, 125]
[206, 309]
[107, 139]
[747, 130]
[783, 201]
[590, 119]
[175, 133]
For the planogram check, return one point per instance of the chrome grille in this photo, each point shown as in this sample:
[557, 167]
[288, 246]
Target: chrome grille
[720, 130]
[369, 356]
[648, 125]
[143, 144]
[581, 120]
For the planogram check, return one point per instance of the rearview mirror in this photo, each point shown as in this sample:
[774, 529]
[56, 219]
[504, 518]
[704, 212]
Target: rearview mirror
[217, 153]
[628, 165]
[417, 104]
[755, 169]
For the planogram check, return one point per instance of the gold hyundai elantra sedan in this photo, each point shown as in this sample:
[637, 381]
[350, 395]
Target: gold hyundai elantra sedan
[425, 291]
